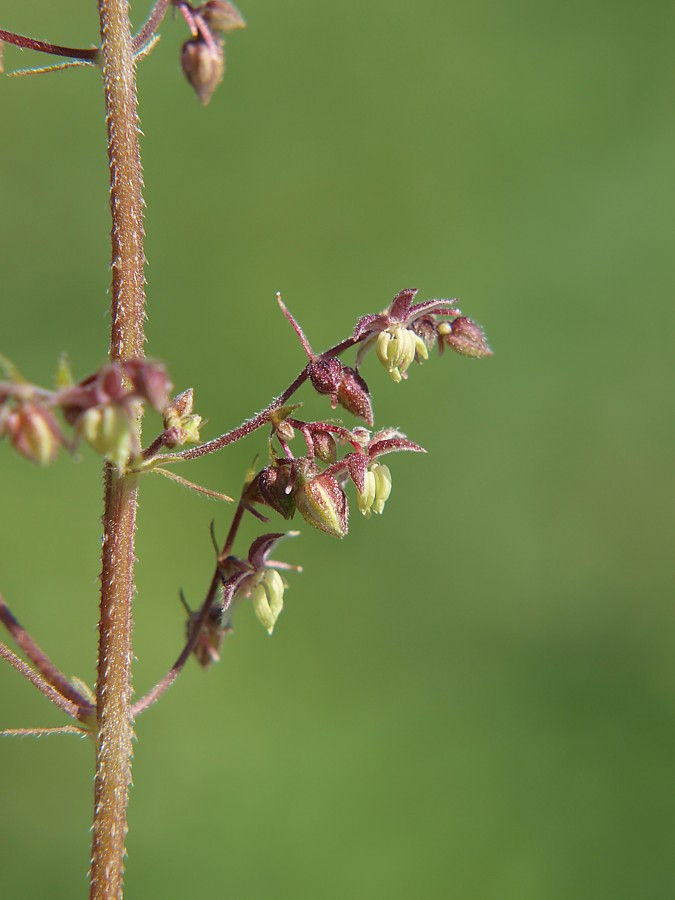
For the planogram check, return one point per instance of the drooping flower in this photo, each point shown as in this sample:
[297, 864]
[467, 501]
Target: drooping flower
[323, 504]
[257, 579]
[377, 488]
[406, 331]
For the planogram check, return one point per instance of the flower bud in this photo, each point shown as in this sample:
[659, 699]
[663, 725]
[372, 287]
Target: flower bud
[109, 431]
[180, 425]
[211, 637]
[322, 502]
[325, 375]
[273, 486]
[377, 488]
[466, 337]
[268, 598]
[325, 447]
[149, 380]
[34, 433]
[425, 328]
[203, 66]
[222, 16]
[354, 396]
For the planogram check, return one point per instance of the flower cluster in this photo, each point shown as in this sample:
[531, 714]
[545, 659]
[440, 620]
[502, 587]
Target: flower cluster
[301, 484]
[315, 483]
[203, 56]
[101, 410]
[406, 331]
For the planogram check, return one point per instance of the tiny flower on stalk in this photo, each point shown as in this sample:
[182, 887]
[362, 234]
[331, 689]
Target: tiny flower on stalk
[397, 347]
[203, 65]
[376, 491]
[109, 430]
[258, 579]
[323, 504]
[211, 636]
[221, 16]
[273, 486]
[33, 432]
[327, 375]
[406, 331]
[465, 337]
[181, 425]
[102, 407]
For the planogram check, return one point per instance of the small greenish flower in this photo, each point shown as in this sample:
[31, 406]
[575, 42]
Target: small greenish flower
[397, 347]
[181, 425]
[376, 490]
[267, 597]
[109, 431]
[33, 432]
[322, 502]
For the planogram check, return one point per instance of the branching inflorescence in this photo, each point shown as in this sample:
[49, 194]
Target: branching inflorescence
[100, 411]
[310, 464]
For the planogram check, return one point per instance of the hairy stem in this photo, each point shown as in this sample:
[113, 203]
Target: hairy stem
[113, 691]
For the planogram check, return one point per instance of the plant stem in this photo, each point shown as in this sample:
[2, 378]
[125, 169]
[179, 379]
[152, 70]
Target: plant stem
[113, 691]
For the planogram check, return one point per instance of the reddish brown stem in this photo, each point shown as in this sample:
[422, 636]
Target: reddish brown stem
[37, 681]
[152, 24]
[90, 53]
[113, 692]
[156, 692]
[241, 431]
[39, 658]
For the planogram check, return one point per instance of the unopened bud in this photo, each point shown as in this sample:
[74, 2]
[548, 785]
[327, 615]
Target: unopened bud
[425, 328]
[466, 337]
[222, 16]
[150, 381]
[211, 637]
[325, 447]
[322, 502]
[273, 486]
[282, 427]
[108, 430]
[203, 66]
[268, 598]
[354, 396]
[325, 375]
[180, 425]
[34, 433]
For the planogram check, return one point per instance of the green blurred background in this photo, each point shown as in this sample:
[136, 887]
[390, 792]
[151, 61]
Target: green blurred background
[472, 696]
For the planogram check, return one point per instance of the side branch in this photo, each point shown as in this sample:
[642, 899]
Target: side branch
[37, 681]
[91, 54]
[154, 20]
[39, 658]
[199, 620]
[257, 421]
